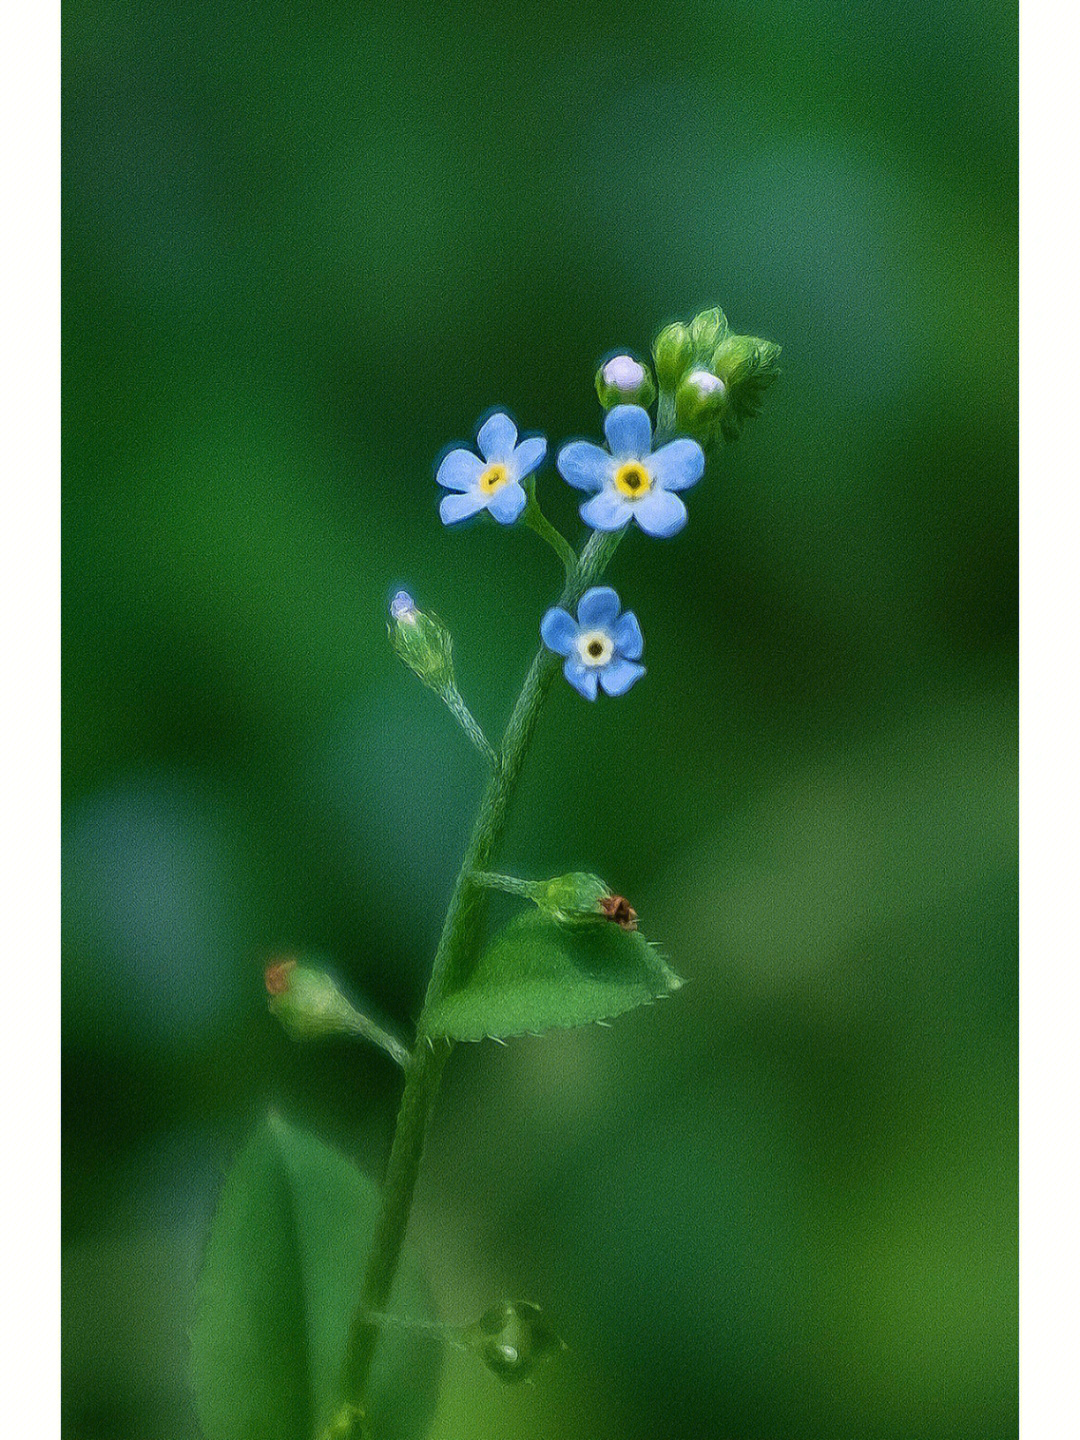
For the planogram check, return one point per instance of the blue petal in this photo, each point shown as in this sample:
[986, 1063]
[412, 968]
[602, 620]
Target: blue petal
[618, 675]
[507, 503]
[528, 455]
[626, 632]
[598, 606]
[583, 678]
[497, 438]
[558, 630]
[607, 511]
[584, 465]
[679, 465]
[660, 513]
[460, 507]
[629, 432]
[459, 470]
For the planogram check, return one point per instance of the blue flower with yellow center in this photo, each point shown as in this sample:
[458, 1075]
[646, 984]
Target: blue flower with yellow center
[633, 482]
[601, 646]
[494, 482]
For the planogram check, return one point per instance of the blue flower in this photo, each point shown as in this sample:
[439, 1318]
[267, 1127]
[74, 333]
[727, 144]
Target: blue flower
[493, 483]
[633, 482]
[601, 646]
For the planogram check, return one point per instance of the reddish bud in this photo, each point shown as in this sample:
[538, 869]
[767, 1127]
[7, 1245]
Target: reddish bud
[277, 976]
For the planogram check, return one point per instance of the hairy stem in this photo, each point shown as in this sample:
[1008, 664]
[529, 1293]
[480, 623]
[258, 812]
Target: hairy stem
[457, 952]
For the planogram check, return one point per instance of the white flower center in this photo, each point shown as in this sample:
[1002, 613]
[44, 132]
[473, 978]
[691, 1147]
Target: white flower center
[595, 647]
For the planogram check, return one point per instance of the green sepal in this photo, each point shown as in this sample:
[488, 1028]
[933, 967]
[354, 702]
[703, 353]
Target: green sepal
[706, 332]
[572, 899]
[423, 642]
[309, 1005]
[700, 403]
[280, 1281]
[538, 974]
[748, 367]
[673, 351]
[611, 394]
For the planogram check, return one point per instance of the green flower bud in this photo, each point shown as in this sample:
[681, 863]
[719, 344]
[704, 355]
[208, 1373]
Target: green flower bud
[747, 366]
[307, 1002]
[571, 898]
[513, 1339]
[309, 1005]
[422, 641]
[625, 381]
[706, 331]
[581, 899]
[700, 402]
[673, 351]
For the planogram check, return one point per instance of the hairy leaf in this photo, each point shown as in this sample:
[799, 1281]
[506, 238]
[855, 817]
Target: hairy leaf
[281, 1277]
[539, 975]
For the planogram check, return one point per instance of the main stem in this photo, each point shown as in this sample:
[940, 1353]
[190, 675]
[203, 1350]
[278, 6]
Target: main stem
[458, 950]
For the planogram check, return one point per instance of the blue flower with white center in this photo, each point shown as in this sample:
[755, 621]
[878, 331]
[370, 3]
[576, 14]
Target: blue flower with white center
[494, 482]
[601, 646]
[633, 482]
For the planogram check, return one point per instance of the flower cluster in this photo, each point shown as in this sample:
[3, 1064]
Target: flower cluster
[709, 381]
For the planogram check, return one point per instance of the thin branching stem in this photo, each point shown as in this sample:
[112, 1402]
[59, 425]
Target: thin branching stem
[457, 953]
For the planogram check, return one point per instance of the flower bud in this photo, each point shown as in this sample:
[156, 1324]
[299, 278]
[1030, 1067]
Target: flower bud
[700, 401]
[422, 641]
[579, 899]
[513, 1339]
[673, 351]
[625, 381]
[307, 1002]
[309, 1005]
[706, 331]
[747, 366]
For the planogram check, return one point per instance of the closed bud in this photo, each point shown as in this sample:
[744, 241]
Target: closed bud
[623, 380]
[571, 898]
[574, 899]
[310, 1006]
[706, 332]
[422, 641]
[307, 1002]
[747, 366]
[513, 1339]
[673, 351]
[700, 402]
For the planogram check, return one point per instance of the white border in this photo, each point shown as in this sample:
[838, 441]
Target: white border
[30, 720]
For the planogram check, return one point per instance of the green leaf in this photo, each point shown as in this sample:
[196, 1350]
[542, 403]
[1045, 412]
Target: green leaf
[281, 1277]
[539, 975]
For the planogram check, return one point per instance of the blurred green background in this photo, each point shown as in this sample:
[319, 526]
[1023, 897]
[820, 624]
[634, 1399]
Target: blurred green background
[306, 245]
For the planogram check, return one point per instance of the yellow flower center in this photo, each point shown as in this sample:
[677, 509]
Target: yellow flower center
[493, 478]
[633, 480]
[595, 647]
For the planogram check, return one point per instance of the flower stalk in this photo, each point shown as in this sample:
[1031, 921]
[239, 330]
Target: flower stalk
[637, 478]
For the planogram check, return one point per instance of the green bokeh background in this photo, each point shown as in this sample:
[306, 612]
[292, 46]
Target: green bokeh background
[306, 245]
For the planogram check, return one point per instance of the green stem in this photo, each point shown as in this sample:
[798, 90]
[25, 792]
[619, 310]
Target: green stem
[509, 884]
[537, 521]
[458, 949]
[455, 703]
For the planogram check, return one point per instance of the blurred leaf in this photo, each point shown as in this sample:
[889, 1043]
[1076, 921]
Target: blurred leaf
[281, 1277]
[538, 975]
